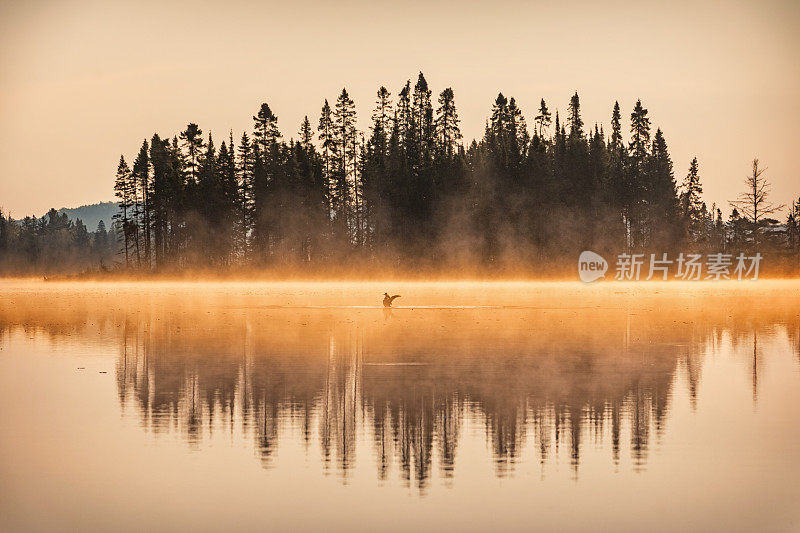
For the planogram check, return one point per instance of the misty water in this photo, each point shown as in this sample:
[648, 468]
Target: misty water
[477, 406]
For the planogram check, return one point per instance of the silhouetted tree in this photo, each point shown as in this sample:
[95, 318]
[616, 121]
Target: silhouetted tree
[265, 131]
[692, 207]
[754, 204]
[448, 131]
[193, 144]
[661, 198]
[344, 193]
[141, 177]
[124, 189]
[542, 121]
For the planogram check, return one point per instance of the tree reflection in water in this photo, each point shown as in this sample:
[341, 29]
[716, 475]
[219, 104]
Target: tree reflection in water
[414, 386]
[551, 381]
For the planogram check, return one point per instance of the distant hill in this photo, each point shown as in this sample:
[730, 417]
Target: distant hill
[92, 214]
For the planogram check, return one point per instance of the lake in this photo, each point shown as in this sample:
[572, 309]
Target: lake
[501, 406]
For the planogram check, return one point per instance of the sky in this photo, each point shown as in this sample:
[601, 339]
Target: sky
[82, 82]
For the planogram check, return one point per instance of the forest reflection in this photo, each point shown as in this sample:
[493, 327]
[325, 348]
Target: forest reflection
[545, 379]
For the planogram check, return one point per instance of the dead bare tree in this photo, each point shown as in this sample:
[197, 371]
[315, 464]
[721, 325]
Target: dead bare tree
[753, 202]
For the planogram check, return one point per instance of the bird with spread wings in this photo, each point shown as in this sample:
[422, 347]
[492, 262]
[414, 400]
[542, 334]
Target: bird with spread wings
[387, 300]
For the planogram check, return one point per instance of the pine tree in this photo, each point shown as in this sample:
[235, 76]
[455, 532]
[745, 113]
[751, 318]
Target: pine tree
[231, 200]
[381, 117]
[640, 134]
[141, 176]
[209, 206]
[574, 119]
[542, 120]
[618, 190]
[312, 205]
[193, 145]
[168, 200]
[374, 173]
[499, 119]
[265, 130]
[326, 137]
[735, 232]
[422, 117]
[661, 197]
[447, 129]
[598, 162]
[123, 190]
[269, 182]
[100, 241]
[306, 134]
[692, 206]
[403, 114]
[580, 187]
[345, 177]
[637, 175]
[616, 128]
[518, 130]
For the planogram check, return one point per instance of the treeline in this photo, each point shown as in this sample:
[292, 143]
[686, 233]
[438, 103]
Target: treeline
[54, 243]
[409, 195]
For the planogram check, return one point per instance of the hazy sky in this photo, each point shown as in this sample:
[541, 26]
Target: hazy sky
[83, 81]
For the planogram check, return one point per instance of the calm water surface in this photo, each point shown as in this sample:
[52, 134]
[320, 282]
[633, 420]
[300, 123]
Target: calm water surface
[306, 406]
